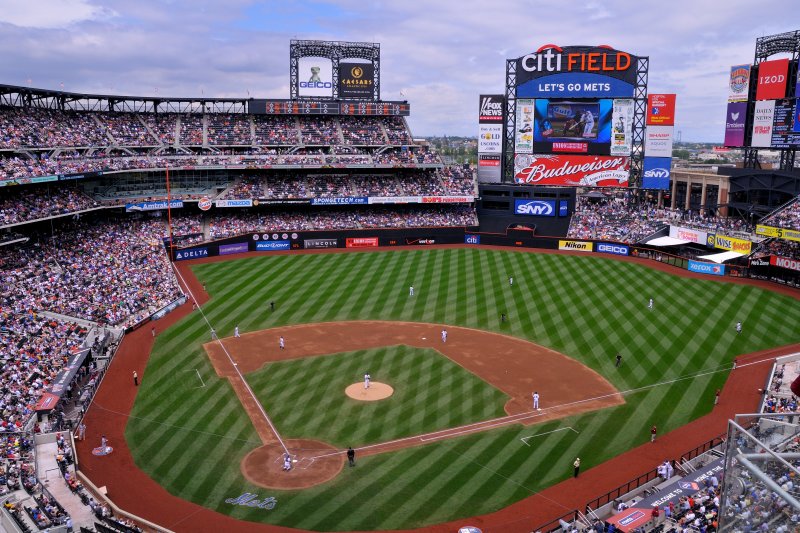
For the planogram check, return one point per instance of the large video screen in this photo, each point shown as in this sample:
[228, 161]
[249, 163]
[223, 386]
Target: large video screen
[572, 126]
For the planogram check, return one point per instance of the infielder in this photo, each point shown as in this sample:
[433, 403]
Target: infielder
[281, 343]
[287, 462]
[366, 381]
[536, 401]
[511, 280]
[444, 335]
[236, 332]
[411, 291]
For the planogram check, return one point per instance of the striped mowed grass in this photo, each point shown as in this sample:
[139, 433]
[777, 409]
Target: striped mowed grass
[191, 439]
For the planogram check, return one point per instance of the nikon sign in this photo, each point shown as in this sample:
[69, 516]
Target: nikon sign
[356, 80]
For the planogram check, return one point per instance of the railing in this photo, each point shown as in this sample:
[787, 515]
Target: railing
[703, 448]
[555, 525]
[621, 490]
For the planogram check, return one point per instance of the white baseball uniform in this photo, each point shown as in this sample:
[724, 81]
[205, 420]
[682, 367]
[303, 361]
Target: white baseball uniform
[444, 335]
[366, 381]
[411, 291]
[536, 400]
[281, 343]
[236, 332]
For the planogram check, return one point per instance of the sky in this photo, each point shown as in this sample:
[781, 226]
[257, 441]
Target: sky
[439, 54]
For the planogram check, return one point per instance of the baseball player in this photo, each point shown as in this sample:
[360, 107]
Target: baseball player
[536, 401]
[281, 343]
[444, 335]
[213, 334]
[738, 327]
[287, 462]
[411, 291]
[366, 381]
[236, 332]
[588, 120]
[511, 281]
[650, 304]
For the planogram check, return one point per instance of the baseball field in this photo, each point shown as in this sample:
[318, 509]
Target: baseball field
[190, 430]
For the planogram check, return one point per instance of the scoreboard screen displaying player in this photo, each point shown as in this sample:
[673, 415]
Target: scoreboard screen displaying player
[572, 126]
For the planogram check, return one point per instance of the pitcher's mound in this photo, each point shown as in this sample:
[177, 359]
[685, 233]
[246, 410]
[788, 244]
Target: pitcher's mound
[376, 391]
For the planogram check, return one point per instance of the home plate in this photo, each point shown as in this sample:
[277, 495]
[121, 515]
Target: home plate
[424, 338]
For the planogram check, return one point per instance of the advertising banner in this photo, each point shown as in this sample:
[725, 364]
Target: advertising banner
[571, 126]
[732, 244]
[191, 253]
[785, 262]
[394, 199]
[315, 77]
[796, 126]
[425, 241]
[772, 78]
[622, 127]
[572, 170]
[490, 138]
[660, 109]
[612, 248]
[238, 248]
[490, 109]
[447, 199]
[576, 72]
[762, 123]
[352, 200]
[734, 124]
[739, 84]
[356, 80]
[687, 234]
[361, 242]
[539, 208]
[656, 172]
[780, 233]
[472, 239]
[523, 137]
[712, 269]
[489, 168]
[153, 206]
[658, 141]
[575, 246]
[272, 246]
[316, 244]
[563, 208]
[61, 382]
[234, 203]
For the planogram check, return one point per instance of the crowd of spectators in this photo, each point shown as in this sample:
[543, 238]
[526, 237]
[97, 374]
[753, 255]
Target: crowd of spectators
[788, 217]
[615, 219]
[276, 130]
[362, 131]
[114, 272]
[32, 203]
[319, 131]
[191, 132]
[245, 187]
[396, 131]
[225, 225]
[127, 129]
[45, 128]
[163, 125]
[229, 129]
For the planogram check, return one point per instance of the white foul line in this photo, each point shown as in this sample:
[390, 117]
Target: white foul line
[525, 439]
[203, 383]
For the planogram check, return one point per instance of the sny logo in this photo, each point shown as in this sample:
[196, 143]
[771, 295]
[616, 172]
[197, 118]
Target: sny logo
[535, 207]
[656, 173]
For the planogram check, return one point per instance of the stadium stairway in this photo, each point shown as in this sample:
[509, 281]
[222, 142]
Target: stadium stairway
[50, 477]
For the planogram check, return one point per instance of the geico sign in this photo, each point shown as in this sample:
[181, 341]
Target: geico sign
[535, 207]
[612, 249]
[656, 173]
[316, 85]
[550, 58]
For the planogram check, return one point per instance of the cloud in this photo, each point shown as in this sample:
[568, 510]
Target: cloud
[50, 13]
[441, 55]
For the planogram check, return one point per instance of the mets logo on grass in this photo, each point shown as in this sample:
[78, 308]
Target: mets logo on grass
[575, 246]
[248, 499]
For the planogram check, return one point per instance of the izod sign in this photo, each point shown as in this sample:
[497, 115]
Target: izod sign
[772, 77]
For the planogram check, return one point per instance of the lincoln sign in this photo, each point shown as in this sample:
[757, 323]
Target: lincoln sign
[572, 170]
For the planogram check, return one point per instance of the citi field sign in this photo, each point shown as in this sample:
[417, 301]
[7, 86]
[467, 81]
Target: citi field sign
[576, 71]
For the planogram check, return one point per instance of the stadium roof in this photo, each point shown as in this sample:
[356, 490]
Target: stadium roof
[721, 257]
[666, 241]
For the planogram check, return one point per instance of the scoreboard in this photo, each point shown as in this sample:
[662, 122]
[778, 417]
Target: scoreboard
[328, 107]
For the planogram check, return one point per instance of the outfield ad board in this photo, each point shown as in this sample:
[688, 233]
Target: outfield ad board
[739, 83]
[315, 77]
[318, 244]
[661, 109]
[783, 135]
[572, 170]
[576, 246]
[336, 200]
[356, 80]
[712, 269]
[779, 233]
[688, 234]
[153, 206]
[613, 248]
[191, 253]
[273, 246]
[772, 79]
[763, 117]
[235, 203]
[576, 72]
[656, 172]
[734, 124]
[361, 242]
[472, 239]
[732, 244]
[538, 208]
[658, 141]
[236, 248]
[784, 262]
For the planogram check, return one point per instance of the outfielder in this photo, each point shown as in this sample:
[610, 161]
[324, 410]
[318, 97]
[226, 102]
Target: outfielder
[411, 291]
[650, 304]
[738, 327]
[366, 381]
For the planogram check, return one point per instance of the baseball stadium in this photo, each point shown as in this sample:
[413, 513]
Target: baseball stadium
[253, 314]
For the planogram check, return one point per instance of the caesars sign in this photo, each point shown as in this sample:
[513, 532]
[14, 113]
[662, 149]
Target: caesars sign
[572, 170]
[356, 80]
[576, 71]
[315, 77]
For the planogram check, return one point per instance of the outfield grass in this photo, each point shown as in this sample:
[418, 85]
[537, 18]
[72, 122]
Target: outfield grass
[191, 440]
[304, 396]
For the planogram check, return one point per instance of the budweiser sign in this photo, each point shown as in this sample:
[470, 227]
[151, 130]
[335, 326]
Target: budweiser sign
[572, 170]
